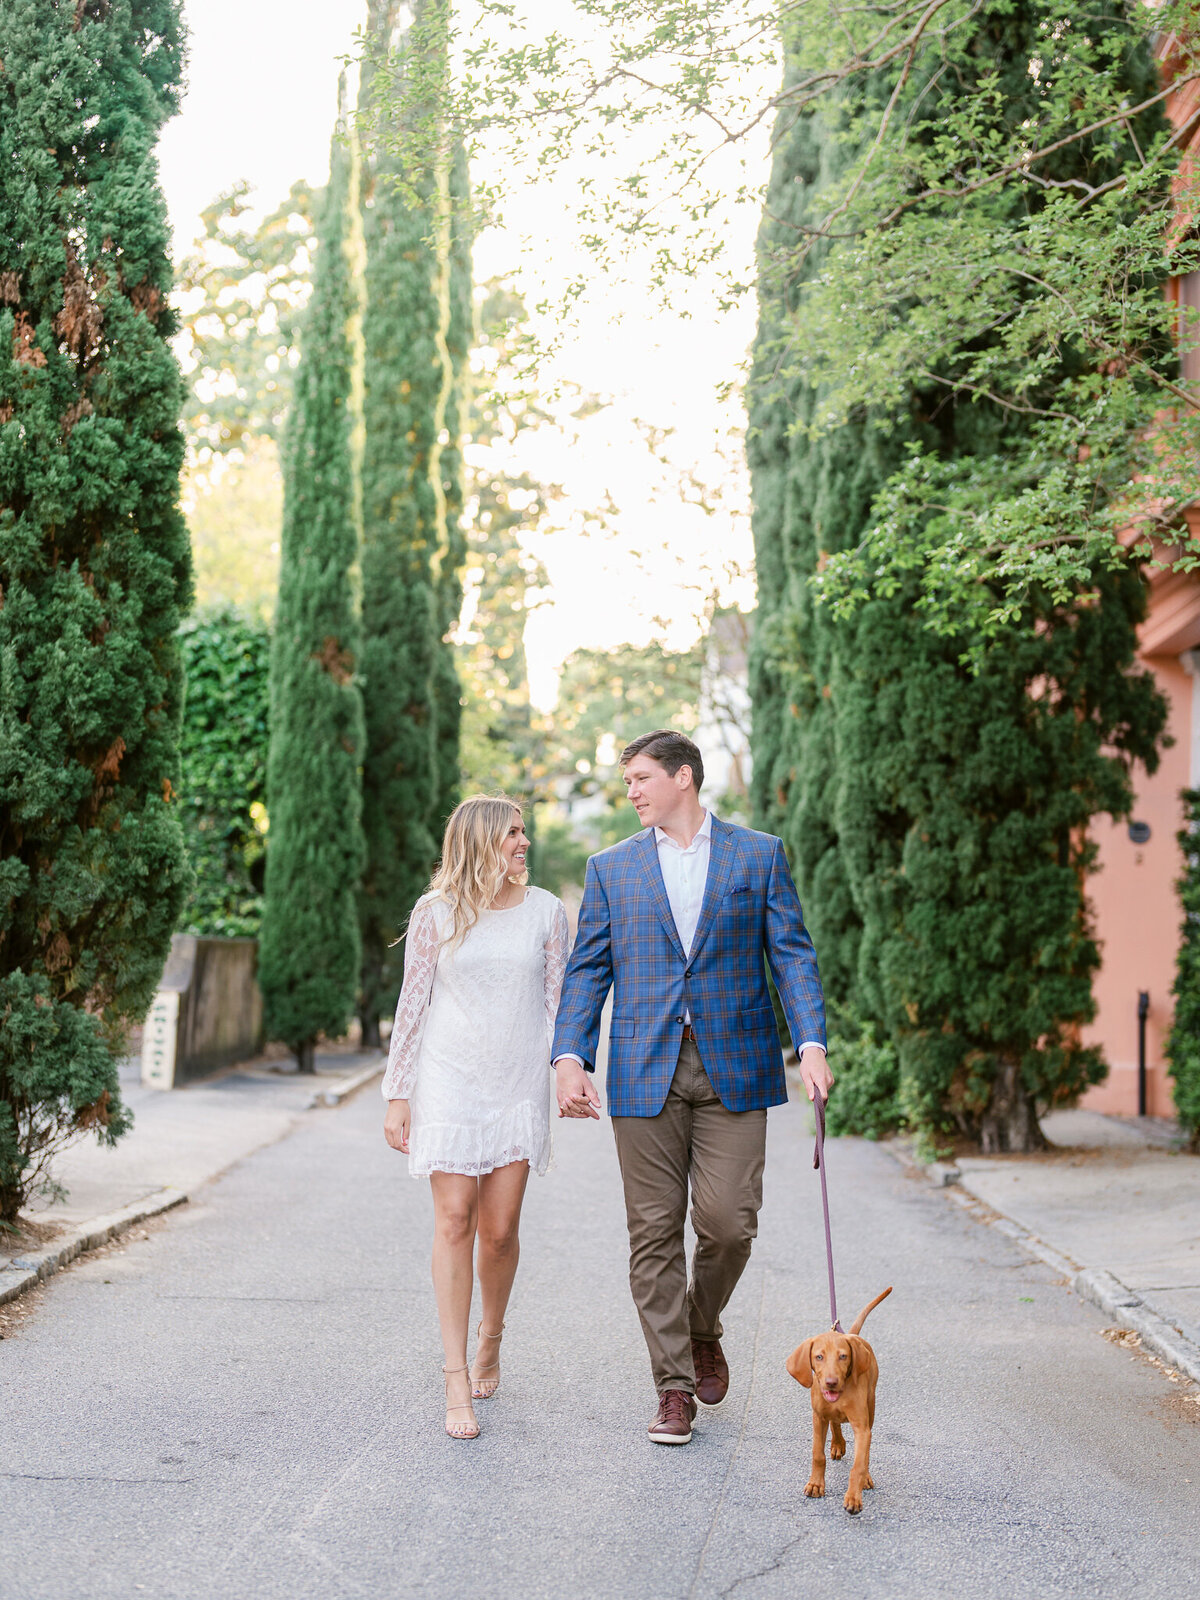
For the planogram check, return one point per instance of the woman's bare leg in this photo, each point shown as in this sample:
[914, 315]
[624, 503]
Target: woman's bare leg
[500, 1195]
[455, 1219]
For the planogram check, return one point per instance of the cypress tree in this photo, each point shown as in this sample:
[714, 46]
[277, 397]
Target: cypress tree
[456, 319]
[937, 812]
[310, 946]
[93, 561]
[797, 512]
[962, 808]
[415, 330]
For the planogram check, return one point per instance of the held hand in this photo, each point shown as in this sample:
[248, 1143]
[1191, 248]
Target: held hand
[396, 1125]
[814, 1069]
[574, 1090]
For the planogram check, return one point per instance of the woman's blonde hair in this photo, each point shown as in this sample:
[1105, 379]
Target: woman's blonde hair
[471, 872]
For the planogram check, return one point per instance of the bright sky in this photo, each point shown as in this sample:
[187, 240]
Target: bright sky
[260, 106]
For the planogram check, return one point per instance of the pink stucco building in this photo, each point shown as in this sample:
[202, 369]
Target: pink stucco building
[1137, 913]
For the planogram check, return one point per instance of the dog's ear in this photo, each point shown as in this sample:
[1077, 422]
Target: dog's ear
[799, 1363]
[860, 1354]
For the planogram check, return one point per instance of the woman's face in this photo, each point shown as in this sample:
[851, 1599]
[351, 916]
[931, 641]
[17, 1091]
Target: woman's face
[514, 847]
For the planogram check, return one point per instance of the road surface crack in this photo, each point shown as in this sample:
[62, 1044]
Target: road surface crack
[74, 1477]
[763, 1572]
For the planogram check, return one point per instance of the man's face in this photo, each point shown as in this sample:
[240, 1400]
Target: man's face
[653, 792]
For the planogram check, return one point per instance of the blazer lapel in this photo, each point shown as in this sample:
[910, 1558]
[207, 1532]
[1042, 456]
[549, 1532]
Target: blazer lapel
[721, 851]
[647, 859]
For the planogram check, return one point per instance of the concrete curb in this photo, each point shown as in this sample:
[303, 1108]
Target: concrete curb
[1125, 1306]
[939, 1173]
[1129, 1310]
[29, 1270]
[345, 1087]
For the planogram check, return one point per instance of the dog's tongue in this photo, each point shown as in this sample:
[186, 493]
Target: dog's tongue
[830, 1394]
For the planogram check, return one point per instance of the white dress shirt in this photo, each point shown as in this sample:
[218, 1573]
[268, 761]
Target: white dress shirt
[685, 873]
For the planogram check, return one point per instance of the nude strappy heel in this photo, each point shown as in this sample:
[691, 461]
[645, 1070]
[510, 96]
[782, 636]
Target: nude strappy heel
[461, 1430]
[485, 1388]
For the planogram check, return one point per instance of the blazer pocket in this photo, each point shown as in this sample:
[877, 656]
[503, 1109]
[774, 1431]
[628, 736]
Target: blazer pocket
[622, 1028]
[760, 1020]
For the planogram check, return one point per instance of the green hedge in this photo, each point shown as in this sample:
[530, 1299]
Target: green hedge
[866, 1069]
[1183, 1046]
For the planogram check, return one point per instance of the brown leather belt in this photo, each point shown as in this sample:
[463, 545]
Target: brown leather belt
[689, 1033]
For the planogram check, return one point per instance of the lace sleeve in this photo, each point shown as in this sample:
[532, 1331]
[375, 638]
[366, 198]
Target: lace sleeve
[557, 947]
[421, 947]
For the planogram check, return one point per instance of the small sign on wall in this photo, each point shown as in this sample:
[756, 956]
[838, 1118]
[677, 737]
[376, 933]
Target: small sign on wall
[158, 1040]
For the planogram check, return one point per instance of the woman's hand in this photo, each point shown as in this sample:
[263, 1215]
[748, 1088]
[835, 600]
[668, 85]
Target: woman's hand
[396, 1125]
[573, 1090]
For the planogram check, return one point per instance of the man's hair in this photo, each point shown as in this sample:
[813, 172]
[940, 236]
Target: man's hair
[671, 750]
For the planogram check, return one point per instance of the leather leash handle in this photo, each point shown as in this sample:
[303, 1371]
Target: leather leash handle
[819, 1164]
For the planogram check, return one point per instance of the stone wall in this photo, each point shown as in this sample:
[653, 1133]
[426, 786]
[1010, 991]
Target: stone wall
[207, 1013]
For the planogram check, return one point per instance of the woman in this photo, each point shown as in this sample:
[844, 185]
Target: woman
[468, 1080]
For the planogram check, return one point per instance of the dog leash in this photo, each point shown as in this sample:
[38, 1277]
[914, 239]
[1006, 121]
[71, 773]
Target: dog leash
[819, 1164]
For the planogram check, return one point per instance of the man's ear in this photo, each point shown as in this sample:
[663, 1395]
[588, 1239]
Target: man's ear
[799, 1363]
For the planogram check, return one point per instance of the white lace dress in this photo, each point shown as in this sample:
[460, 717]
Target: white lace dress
[470, 1046]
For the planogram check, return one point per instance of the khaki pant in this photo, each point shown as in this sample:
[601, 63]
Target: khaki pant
[692, 1139]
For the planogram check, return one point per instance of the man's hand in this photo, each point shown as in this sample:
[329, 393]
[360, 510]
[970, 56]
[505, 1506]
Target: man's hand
[574, 1090]
[396, 1125]
[814, 1069]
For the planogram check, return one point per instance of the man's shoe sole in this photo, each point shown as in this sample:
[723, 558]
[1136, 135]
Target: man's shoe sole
[670, 1438]
[711, 1405]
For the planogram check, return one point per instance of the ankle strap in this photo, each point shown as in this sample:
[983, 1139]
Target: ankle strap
[450, 1371]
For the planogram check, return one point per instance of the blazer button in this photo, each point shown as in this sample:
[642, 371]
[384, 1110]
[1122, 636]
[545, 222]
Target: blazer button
[679, 1020]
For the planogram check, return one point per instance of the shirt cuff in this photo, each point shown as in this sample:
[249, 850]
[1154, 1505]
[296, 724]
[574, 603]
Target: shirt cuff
[811, 1044]
[569, 1056]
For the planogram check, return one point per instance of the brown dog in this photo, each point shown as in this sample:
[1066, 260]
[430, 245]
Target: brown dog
[841, 1371]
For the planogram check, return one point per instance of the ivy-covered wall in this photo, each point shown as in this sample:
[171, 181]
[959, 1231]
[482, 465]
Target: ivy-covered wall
[226, 654]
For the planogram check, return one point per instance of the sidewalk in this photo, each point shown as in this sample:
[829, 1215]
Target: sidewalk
[1114, 1206]
[180, 1139]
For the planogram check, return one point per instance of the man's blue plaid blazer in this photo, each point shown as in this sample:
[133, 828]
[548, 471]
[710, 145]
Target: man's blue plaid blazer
[627, 942]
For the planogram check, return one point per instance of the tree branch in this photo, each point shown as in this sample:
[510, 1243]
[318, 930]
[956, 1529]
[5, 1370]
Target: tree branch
[1022, 166]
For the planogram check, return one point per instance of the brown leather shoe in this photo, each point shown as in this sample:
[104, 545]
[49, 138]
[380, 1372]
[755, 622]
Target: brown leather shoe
[712, 1371]
[673, 1424]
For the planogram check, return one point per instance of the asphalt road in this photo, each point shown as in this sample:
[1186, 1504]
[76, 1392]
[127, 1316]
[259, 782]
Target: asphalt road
[246, 1404]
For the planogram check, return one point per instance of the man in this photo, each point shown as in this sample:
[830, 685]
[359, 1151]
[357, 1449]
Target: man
[676, 921]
